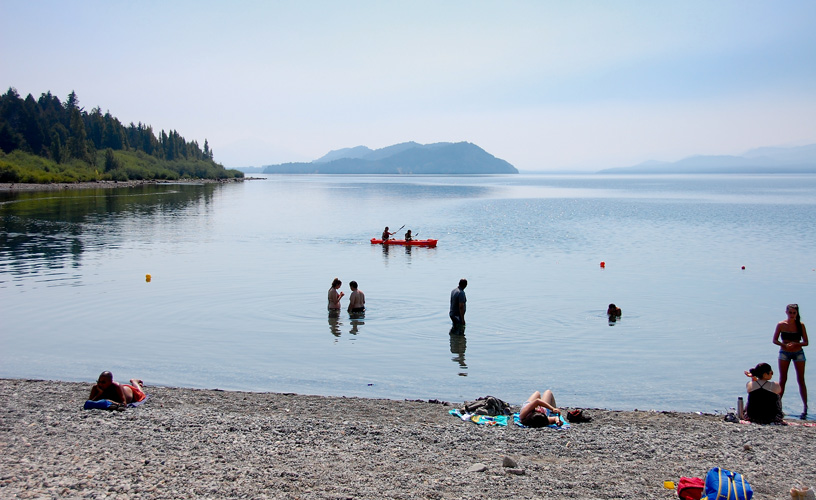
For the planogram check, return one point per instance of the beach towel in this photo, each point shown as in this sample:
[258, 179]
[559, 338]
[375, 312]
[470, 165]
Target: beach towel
[500, 420]
[564, 424]
[106, 404]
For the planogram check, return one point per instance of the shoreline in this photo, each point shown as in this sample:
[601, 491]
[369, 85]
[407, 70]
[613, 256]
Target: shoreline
[193, 443]
[12, 187]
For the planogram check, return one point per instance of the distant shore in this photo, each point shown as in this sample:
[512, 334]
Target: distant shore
[59, 186]
[186, 443]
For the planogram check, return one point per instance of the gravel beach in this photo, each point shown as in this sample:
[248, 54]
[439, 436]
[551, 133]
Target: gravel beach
[187, 443]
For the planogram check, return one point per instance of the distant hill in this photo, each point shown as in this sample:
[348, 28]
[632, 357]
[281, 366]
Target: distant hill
[767, 160]
[404, 158]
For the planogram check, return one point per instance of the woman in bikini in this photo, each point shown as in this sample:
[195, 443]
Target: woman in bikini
[791, 336]
[106, 388]
[530, 414]
[764, 403]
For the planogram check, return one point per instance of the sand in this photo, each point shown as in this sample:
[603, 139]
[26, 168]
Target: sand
[186, 443]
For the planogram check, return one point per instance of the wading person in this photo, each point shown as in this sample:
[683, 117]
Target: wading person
[356, 299]
[457, 304]
[335, 296]
[791, 336]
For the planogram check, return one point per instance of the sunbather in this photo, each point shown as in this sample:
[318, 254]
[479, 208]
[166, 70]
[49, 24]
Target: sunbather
[106, 388]
[532, 416]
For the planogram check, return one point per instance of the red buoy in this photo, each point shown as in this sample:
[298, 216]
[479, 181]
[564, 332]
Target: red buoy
[603, 264]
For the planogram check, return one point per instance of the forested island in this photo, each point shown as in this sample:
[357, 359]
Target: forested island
[47, 141]
[405, 158]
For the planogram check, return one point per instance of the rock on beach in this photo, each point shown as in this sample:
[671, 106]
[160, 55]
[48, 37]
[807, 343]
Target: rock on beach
[188, 443]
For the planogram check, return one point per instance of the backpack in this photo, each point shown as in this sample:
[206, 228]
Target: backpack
[690, 488]
[487, 405]
[721, 484]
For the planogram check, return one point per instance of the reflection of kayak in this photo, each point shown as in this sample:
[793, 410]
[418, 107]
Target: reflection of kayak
[413, 243]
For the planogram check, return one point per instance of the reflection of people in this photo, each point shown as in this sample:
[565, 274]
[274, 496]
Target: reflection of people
[532, 416]
[386, 234]
[458, 345]
[457, 303]
[355, 324]
[764, 403]
[356, 299]
[334, 296]
[334, 323]
[613, 311]
[106, 388]
[408, 236]
[791, 336]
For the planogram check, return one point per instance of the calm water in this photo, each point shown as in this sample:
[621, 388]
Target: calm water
[240, 275]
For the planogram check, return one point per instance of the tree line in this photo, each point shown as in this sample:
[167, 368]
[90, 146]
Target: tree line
[64, 133]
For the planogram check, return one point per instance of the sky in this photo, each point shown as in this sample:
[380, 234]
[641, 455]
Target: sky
[545, 85]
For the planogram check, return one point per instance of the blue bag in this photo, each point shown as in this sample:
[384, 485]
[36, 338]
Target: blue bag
[721, 484]
[102, 404]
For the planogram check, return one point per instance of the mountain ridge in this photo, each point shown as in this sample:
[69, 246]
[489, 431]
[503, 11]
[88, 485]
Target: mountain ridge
[763, 160]
[403, 158]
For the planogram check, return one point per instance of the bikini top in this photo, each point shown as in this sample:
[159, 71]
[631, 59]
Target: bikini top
[791, 336]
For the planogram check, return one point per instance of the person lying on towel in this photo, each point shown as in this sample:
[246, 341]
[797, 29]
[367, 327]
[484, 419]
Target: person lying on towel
[531, 416]
[106, 388]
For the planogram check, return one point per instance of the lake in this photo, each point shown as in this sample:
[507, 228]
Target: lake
[240, 273]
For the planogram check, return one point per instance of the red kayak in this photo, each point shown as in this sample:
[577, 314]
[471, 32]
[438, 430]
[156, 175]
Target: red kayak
[413, 243]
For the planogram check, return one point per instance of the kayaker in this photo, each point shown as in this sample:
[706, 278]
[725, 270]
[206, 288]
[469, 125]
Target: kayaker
[408, 236]
[457, 304]
[386, 234]
[356, 299]
[334, 296]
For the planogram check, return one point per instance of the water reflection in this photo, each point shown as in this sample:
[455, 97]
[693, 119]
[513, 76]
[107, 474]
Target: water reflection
[53, 229]
[334, 322]
[458, 345]
[356, 320]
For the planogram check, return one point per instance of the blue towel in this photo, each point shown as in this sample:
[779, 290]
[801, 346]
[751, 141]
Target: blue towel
[500, 420]
[564, 424]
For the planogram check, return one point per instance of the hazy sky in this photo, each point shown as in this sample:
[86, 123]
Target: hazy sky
[545, 85]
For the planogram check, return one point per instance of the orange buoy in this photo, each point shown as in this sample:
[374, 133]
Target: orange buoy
[148, 278]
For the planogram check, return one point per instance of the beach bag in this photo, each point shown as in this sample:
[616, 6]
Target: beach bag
[487, 405]
[690, 488]
[721, 484]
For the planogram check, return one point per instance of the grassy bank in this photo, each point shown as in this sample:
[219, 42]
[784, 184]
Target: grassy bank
[22, 167]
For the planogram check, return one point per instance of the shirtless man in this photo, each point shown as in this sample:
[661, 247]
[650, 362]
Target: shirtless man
[106, 388]
[356, 299]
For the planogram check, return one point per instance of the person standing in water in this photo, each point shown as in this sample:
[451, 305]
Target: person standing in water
[335, 296]
[791, 336]
[457, 303]
[356, 299]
